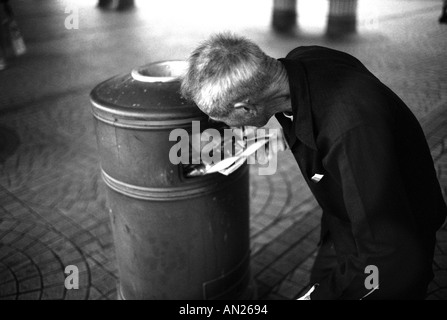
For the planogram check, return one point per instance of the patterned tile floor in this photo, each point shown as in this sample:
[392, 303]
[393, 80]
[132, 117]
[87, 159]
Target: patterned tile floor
[52, 200]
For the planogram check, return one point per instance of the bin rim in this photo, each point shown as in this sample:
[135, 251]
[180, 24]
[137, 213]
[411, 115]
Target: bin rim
[138, 100]
[175, 70]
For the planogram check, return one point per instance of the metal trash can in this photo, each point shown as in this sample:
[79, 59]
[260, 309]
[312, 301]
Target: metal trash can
[175, 237]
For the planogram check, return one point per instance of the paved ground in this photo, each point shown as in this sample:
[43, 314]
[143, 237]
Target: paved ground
[52, 200]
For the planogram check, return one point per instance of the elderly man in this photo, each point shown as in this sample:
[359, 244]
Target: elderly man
[360, 149]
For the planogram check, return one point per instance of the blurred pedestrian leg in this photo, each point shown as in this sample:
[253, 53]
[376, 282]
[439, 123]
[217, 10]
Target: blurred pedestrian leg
[116, 4]
[125, 4]
[104, 3]
[12, 37]
[2, 60]
[443, 18]
[2, 42]
[284, 15]
[342, 18]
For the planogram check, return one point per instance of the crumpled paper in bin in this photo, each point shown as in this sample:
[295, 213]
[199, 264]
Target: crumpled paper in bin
[247, 142]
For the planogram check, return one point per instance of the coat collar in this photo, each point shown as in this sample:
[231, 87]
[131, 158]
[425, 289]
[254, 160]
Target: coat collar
[302, 126]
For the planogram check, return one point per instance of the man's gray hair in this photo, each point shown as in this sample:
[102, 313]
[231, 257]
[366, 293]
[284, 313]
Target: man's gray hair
[224, 70]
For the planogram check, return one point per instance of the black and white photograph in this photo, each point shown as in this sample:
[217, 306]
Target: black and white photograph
[224, 155]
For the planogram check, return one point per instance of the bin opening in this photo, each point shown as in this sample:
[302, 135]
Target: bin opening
[165, 71]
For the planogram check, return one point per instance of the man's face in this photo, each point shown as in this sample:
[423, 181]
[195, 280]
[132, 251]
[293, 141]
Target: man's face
[246, 113]
[254, 114]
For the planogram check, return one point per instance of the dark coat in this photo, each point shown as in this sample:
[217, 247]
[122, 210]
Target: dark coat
[382, 203]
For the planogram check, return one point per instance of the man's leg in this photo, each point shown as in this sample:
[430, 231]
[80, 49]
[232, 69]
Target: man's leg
[325, 262]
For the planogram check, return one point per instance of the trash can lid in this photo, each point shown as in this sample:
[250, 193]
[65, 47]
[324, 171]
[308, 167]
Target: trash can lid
[148, 97]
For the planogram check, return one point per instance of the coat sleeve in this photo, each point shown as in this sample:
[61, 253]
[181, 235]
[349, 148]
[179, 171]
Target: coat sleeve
[365, 164]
